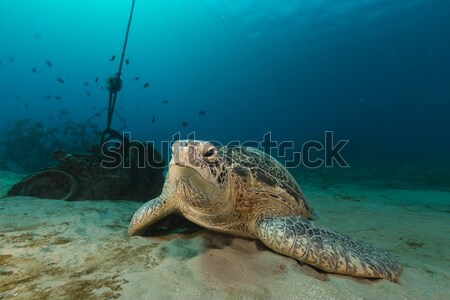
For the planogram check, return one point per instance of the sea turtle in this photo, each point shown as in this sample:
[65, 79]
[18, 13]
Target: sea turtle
[245, 192]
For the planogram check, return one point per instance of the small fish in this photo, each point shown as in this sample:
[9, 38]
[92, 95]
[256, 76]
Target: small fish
[184, 124]
[146, 85]
[94, 108]
[86, 83]
[60, 80]
[136, 78]
[38, 35]
[127, 61]
[165, 101]
[34, 70]
[11, 59]
[153, 120]
[202, 112]
[58, 97]
[98, 114]
[96, 79]
[26, 105]
[88, 94]
[17, 97]
[48, 97]
[112, 58]
[49, 63]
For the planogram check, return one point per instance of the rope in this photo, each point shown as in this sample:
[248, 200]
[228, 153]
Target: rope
[114, 83]
[126, 39]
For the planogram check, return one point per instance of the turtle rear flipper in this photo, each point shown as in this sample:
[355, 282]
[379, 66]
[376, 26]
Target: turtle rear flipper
[326, 249]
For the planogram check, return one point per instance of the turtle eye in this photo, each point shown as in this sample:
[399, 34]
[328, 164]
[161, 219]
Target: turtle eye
[210, 154]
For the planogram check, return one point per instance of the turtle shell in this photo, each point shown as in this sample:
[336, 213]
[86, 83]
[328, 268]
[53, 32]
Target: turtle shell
[259, 170]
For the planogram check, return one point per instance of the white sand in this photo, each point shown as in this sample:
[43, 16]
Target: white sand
[80, 250]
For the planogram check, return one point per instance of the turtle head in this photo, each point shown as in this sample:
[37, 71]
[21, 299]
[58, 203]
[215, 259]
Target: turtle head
[197, 172]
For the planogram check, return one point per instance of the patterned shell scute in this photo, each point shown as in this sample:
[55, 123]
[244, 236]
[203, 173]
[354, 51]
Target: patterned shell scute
[252, 164]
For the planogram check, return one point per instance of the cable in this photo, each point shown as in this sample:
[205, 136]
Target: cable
[114, 83]
[126, 39]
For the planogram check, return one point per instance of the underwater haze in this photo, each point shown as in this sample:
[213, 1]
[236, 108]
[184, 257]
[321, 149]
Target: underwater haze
[354, 96]
[375, 72]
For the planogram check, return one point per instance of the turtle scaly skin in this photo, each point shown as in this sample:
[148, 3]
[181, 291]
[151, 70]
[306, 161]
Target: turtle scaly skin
[244, 192]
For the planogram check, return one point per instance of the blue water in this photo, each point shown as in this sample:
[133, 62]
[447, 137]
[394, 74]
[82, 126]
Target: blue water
[375, 72]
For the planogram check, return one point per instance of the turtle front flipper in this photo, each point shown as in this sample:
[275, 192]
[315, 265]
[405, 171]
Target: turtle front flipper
[326, 249]
[152, 211]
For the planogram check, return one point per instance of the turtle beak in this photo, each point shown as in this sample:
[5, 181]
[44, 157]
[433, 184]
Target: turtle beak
[180, 152]
[180, 166]
[184, 151]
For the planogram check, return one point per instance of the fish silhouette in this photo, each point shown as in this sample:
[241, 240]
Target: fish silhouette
[34, 70]
[49, 63]
[60, 80]
[184, 124]
[146, 85]
[112, 58]
[136, 78]
[202, 112]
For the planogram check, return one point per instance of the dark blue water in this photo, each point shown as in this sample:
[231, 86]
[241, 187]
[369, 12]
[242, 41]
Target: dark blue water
[376, 73]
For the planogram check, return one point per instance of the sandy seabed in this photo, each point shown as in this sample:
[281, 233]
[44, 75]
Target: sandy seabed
[51, 249]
